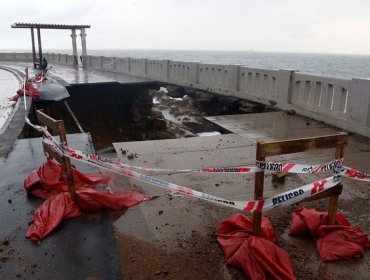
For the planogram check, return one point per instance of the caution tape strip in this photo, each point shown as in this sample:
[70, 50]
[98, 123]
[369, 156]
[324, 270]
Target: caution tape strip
[286, 198]
[352, 173]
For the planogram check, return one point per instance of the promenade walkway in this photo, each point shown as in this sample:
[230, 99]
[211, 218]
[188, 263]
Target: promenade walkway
[172, 236]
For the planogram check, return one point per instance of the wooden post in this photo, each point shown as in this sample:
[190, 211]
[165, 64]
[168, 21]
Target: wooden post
[333, 199]
[58, 125]
[67, 163]
[258, 191]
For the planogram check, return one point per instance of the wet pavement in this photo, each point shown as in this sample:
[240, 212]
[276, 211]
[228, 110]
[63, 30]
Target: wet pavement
[81, 248]
[9, 85]
[69, 75]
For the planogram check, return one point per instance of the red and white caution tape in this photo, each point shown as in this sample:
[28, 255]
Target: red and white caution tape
[354, 174]
[285, 198]
[292, 196]
[288, 167]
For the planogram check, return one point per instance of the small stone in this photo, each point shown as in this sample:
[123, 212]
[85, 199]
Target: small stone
[160, 212]
[9, 200]
[5, 242]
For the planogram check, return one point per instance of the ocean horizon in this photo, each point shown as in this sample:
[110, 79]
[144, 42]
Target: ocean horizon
[334, 65]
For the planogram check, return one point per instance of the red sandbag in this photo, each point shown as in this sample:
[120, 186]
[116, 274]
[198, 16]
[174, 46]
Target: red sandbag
[91, 200]
[50, 214]
[49, 182]
[258, 257]
[334, 242]
[50, 179]
[337, 242]
[307, 221]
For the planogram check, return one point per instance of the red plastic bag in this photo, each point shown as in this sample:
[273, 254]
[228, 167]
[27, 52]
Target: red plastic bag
[49, 182]
[334, 242]
[337, 242]
[257, 256]
[30, 91]
[50, 214]
[91, 200]
[307, 221]
[50, 179]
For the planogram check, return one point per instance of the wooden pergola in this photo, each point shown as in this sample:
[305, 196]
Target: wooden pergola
[39, 26]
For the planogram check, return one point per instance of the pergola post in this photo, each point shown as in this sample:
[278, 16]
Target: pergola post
[39, 44]
[74, 46]
[83, 43]
[33, 48]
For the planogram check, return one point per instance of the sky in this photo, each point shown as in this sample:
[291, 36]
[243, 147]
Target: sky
[309, 26]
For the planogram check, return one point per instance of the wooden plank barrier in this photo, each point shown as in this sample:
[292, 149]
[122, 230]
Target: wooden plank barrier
[267, 149]
[58, 127]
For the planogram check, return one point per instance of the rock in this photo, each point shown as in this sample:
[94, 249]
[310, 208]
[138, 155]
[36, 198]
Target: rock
[5, 241]
[204, 97]
[193, 125]
[279, 177]
[162, 107]
[290, 112]
[250, 107]
[160, 123]
[175, 92]
[156, 113]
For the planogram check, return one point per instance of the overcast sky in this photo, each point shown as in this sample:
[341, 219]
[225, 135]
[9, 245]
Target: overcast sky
[314, 26]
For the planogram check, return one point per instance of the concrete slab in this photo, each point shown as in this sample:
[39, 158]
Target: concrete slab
[82, 248]
[271, 126]
[170, 224]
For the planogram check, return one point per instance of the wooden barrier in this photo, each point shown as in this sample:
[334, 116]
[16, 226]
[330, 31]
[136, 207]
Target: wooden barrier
[58, 127]
[266, 149]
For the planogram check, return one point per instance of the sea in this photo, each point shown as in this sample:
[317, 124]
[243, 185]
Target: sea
[333, 65]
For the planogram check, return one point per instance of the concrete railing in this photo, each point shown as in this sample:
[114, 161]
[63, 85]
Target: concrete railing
[344, 103]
